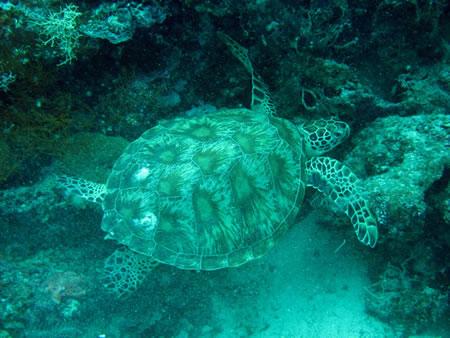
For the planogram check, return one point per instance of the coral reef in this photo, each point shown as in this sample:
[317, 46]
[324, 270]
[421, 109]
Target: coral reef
[79, 80]
[59, 30]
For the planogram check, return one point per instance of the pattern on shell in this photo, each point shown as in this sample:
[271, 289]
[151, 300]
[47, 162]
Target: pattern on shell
[207, 192]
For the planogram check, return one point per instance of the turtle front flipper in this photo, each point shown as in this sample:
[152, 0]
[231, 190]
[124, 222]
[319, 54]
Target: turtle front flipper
[125, 270]
[338, 182]
[91, 191]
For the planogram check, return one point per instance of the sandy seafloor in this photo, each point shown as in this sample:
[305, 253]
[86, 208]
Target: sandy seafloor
[301, 288]
[310, 291]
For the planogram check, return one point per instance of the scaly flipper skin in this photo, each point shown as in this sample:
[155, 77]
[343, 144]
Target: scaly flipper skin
[261, 99]
[91, 191]
[323, 135]
[337, 181]
[125, 270]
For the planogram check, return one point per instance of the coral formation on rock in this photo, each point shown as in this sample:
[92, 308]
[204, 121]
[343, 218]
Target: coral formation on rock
[79, 80]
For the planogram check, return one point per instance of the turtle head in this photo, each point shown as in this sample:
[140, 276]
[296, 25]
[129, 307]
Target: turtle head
[323, 135]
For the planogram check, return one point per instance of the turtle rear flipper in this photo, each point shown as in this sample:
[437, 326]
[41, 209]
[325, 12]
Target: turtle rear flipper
[125, 270]
[338, 182]
[91, 191]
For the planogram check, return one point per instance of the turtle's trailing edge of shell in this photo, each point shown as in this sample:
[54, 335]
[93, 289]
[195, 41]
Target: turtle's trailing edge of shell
[135, 224]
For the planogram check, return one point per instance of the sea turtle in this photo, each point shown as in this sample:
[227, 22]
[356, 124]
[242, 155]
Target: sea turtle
[216, 191]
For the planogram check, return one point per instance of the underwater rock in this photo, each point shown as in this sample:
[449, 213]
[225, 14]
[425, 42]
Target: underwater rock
[132, 106]
[324, 87]
[117, 22]
[8, 163]
[40, 199]
[41, 291]
[402, 157]
[404, 300]
[63, 285]
[91, 155]
[425, 90]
